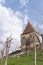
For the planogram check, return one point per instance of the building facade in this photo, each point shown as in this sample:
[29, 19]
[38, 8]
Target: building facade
[29, 37]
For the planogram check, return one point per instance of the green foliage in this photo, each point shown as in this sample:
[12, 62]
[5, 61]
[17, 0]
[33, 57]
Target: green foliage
[26, 59]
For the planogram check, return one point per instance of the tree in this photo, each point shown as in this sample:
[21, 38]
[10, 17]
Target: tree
[34, 41]
[7, 45]
[6, 48]
[2, 51]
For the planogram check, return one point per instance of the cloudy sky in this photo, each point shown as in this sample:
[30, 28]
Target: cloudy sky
[14, 15]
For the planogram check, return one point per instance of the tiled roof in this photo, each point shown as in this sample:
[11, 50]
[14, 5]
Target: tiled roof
[29, 28]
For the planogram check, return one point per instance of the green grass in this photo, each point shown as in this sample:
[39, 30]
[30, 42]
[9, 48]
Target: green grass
[26, 60]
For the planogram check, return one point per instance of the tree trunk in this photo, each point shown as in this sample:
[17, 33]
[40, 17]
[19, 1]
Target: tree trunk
[2, 55]
[6, 59]
[40, 49]
[2, 59]
[35, 55]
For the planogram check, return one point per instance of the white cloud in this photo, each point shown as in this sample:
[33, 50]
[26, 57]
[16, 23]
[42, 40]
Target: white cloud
[2, 1]
[38, 27]
[41, 28]
[18, 14]
[24, 2]
[26, 18]
[10, 23]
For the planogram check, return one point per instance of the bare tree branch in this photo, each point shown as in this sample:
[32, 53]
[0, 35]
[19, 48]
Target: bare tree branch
[8, 43]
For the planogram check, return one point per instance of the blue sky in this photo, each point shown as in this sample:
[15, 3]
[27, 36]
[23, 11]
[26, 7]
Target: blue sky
[33, 9]
[14, 15]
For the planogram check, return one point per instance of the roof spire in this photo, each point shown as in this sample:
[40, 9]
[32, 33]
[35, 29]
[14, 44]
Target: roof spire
[29, 28]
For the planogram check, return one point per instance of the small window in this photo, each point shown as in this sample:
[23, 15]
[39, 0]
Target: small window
[23, 37]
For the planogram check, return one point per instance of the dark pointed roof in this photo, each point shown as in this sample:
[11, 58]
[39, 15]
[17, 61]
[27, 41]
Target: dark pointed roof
[29, 28]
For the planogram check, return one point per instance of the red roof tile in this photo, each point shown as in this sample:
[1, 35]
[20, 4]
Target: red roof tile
[29, 28]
